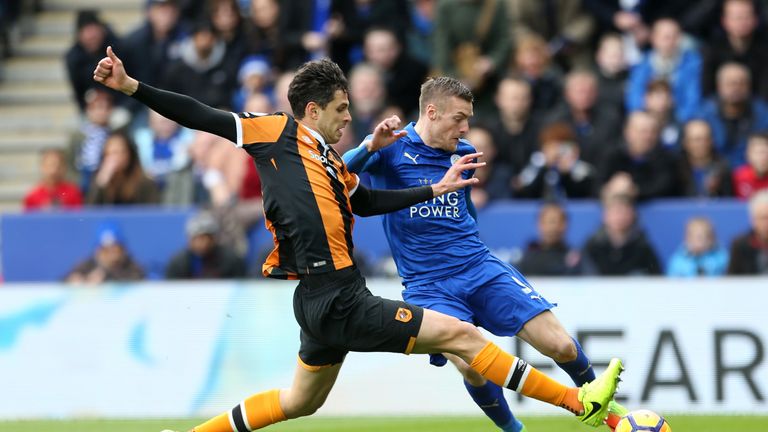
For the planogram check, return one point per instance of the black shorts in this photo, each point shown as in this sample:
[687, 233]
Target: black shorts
[337, 314]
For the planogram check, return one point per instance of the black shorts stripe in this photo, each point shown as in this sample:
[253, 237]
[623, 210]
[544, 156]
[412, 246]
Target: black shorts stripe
[517, 375]
[237, 417]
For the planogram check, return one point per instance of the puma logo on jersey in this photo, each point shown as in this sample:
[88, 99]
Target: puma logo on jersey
[413, 158]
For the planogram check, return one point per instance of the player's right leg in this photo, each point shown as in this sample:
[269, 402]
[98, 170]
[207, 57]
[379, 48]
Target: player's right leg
[308, 392]
[488, 396]
[445, 296]
[442, 333]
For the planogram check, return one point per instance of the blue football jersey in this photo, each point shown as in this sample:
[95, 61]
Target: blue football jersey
[432, 240]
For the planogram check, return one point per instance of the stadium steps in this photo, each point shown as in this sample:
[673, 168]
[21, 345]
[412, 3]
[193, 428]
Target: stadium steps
[35, 93]
[62, 22]
[36, 106]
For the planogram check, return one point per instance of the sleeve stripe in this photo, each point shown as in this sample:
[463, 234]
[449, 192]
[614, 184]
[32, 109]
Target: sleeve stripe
[352, 192]
[239, 127]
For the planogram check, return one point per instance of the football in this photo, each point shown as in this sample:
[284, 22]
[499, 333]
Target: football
[642, 420]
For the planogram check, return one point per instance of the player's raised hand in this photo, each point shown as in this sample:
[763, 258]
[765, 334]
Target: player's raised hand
[452, 180]
[111, 72]
[385, 133]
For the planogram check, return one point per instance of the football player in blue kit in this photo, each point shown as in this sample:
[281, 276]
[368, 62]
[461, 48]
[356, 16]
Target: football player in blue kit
[443, 264]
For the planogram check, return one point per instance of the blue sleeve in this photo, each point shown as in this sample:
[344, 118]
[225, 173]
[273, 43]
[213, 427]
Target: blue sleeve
[470, 207]
[639, 77]
[688, 97]
[360, 160]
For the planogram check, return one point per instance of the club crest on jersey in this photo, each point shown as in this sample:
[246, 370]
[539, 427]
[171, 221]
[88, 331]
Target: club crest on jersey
[403, 315]
[454, 158]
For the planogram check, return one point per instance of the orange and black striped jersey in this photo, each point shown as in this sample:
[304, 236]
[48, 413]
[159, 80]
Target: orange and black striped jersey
[306, 189]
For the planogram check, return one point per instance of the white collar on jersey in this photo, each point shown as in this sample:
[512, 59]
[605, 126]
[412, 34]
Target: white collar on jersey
[316, 134]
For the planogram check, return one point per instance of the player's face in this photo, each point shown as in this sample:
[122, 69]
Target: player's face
[334, 118]
[451, 122]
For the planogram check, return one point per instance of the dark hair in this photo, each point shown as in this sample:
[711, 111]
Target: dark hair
[315, 81]
[658, 84]
[553, 205]
[87, 17]
[558, 131]
[761, 135]
[124, 185]
[438, 88]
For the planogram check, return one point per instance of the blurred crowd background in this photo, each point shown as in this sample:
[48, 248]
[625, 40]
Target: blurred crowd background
[619, 102]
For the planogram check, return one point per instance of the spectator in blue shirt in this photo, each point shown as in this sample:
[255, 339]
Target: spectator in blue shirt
[670, 60]
[699, 255]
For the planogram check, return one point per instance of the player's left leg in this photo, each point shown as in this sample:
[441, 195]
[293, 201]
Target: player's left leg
[488, 396]
[545, 333]
[308, 392]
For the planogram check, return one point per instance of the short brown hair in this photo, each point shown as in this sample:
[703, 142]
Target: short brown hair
[558, 132]
[658, 84]
[315, 81]
[437, 88]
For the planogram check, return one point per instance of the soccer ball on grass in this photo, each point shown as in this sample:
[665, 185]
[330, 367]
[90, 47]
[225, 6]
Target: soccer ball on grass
[642, 421]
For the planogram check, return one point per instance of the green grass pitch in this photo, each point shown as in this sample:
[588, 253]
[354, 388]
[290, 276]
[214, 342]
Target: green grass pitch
[679, 423]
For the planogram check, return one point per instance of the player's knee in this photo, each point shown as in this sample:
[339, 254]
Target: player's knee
[564, 350]
[463, 332]
[303, 405]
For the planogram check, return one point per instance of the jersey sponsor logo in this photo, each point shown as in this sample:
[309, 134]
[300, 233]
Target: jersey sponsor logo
[324, 160]
[403, 315]
[413, 158]
[454, 158]
[306, 139]
[444, 206]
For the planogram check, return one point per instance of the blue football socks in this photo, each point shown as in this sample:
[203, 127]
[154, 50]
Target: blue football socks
[490, 399]
[580, 369]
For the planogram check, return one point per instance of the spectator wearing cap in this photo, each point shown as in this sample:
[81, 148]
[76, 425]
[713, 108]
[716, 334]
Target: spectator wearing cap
[109, 262]
[204, 257]
[254, 76]
[92, 38]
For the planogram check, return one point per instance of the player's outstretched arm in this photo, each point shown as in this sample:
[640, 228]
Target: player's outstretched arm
[182, 109]
[369, 202]
[362, 157]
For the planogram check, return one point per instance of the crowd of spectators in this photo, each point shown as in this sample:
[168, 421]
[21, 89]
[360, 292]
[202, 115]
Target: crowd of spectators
[624, 102]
